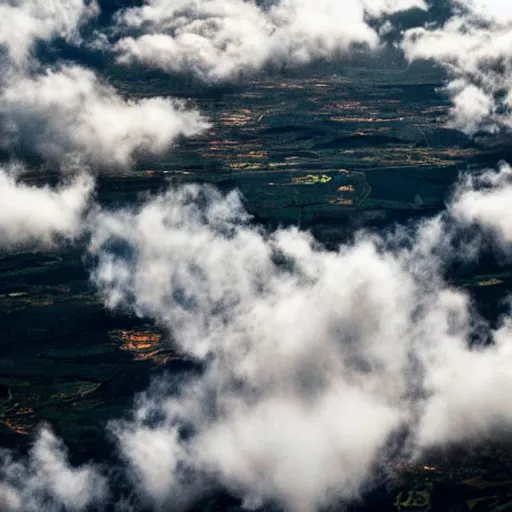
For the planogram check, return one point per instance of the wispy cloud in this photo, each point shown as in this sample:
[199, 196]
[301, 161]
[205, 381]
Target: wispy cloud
[474, 46]
[45, 480]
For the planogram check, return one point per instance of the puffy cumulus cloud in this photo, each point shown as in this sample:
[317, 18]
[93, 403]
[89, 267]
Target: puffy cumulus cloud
[379, 7]
[69, 116]
[313, 359]
[45, 480]
[222, 39]
[290, 408]
[474, 46]
[484, 199]
[70, 111]
[468, 390]
[497, 10]
[473, 108]
[32, 216]
[24, 22]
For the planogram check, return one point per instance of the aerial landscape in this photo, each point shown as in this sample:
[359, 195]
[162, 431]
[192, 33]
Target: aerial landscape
[255, 255]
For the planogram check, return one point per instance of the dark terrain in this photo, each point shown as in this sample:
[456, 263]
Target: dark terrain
[349, 147]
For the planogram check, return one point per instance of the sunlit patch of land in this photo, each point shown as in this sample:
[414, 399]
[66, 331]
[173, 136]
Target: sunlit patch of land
[244, 166]
[17, 427]
[312, 179]
[144, 346]
[254, 154]
[490, 282]
[241, 118]
[342, 201]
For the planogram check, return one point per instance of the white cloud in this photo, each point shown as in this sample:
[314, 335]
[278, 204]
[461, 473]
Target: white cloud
[222, 39]
[313, 358]
[33, 216]
[497, 10]
[70, 111]
[473, 108]
[485, 200]
[474, 46]
[292, 407]
[379, 7]
[46, 480]
[23, 22]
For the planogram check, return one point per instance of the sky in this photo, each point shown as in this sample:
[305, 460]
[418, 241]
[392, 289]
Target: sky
[291, 410]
